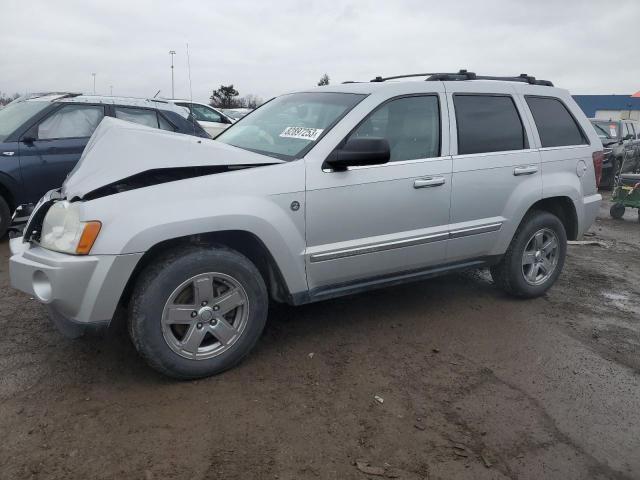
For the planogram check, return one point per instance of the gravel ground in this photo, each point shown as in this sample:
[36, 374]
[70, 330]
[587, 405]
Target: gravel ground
[475, 385]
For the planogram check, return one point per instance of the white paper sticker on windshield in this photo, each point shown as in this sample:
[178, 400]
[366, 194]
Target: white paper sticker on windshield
[613, 131]
[302, 133]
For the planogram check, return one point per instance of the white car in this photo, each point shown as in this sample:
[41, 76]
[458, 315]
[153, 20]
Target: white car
[236, 113]
[212, 120]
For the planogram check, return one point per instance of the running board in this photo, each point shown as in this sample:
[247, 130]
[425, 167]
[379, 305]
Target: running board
[373, 283]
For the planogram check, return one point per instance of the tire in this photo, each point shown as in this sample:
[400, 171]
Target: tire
[165, 296]
[617, 211]
[5, 217]
[510, 273]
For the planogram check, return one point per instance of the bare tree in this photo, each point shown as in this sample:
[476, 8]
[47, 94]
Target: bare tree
[324, 80]
[251, 101]
[5, 99]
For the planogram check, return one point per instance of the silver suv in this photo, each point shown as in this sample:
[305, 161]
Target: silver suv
[316, 194]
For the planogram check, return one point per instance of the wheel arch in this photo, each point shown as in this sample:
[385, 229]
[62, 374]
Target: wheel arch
[563, 208]
[242, 241]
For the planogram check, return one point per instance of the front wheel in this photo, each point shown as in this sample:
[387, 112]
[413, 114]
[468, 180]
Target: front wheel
[534, 258]
[196, 311]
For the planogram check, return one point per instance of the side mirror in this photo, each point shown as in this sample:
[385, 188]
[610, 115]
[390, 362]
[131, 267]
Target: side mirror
[628, 137]
[28, 139]
[358, 152]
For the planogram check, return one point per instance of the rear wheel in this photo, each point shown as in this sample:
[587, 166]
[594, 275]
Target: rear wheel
[197, 312]
[534, 258]
[617, 210]
[5, 217]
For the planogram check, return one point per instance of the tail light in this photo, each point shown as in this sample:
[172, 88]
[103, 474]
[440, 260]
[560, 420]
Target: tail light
[598, 158]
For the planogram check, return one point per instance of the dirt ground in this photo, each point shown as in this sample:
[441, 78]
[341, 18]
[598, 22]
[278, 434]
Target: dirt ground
[475, 385]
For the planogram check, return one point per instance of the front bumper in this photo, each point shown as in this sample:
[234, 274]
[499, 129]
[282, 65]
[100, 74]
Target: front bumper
[80, 292]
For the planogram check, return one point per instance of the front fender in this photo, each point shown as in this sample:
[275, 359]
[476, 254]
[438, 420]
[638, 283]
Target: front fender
[136, 220]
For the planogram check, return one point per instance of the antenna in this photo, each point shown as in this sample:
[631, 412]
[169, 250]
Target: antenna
[193, 120]
[157, 93]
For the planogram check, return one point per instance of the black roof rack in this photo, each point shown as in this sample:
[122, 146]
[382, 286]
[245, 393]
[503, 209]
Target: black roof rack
[466, 75]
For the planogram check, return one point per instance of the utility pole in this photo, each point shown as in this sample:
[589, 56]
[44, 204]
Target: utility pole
[94, 83]
[111, 88]
[172, 53]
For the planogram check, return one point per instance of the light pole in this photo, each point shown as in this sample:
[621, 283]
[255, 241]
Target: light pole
[94, 83]
[111, 87]
[172, 53]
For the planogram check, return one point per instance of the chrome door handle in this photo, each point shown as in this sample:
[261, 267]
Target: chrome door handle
[528, 170]
[428, 182]
[8, 154]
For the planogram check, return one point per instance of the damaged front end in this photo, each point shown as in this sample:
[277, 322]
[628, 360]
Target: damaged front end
[122, 156]
[32, 229]
[158, 176]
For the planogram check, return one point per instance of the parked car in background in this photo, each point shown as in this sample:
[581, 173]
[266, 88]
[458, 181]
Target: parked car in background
[621, 142]
[317, 194]
[43, 135]
[211, 119]
[236, 113]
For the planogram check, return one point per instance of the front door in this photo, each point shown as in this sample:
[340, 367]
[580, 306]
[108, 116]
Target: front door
[367, 224]
[50, 150]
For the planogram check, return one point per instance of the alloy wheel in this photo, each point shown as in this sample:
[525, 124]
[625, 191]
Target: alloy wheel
[540, 257]
[205, 316]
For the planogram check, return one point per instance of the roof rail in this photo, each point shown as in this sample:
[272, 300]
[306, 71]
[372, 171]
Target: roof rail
[31, 96]
[466, 75]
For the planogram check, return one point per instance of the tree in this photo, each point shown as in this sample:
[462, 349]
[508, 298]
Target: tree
[324, 80]
[251, 101]
[224, 97]
[5, 99]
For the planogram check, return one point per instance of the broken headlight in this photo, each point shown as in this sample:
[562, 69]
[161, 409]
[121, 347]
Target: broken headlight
[63, 231]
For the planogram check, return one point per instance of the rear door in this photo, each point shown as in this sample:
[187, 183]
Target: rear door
[496, 170]
[51, 148]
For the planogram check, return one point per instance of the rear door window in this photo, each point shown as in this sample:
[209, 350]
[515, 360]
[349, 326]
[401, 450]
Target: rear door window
[71, 121]
[556, 126]
[164, 124]
[488, 123]
[138, 115]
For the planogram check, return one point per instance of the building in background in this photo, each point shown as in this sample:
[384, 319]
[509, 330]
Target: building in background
[610, 107]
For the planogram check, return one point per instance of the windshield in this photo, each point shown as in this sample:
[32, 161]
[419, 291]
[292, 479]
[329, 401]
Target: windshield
[606, 129]
[289, 125]
[16, 113]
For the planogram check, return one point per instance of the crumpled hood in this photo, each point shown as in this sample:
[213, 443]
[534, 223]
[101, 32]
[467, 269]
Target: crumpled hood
[119, 149]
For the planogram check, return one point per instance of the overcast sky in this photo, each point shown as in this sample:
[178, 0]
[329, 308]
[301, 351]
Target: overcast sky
[270, 47]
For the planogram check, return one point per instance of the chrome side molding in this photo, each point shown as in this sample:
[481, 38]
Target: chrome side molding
[409, 242]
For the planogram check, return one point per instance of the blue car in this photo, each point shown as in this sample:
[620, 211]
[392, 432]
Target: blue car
[43, 135]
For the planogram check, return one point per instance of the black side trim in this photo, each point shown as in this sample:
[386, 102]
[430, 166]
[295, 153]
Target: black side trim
[373, 283]
[157, 176]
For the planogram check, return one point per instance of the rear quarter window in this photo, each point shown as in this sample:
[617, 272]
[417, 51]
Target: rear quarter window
[556, 125]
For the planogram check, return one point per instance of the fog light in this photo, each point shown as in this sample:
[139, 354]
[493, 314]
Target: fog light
[42, 286]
